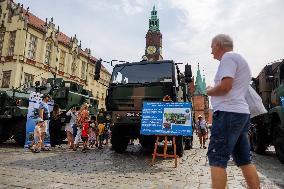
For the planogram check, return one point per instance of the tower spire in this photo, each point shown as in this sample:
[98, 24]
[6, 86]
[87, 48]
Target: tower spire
[154, 21]
[199, 86]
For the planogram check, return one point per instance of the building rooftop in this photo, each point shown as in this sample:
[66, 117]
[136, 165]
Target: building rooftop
[39, 24]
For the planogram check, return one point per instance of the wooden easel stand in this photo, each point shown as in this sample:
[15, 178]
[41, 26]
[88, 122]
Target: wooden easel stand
[165, 155]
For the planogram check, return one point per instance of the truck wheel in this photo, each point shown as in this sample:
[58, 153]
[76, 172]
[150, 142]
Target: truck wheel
[278, 136]
[119, 142]
[180, 144]
[20, 131]
[4, 133]
[256, 137]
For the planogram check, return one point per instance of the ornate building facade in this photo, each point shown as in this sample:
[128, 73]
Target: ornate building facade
[153, 50]
[33, 50]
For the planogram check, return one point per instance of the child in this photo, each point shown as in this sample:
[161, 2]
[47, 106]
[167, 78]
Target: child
[101, 128]
[92, 136]
[84, 135]
[107, 133]
[38, 140]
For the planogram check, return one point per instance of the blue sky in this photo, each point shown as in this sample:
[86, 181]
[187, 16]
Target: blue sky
[116, 29]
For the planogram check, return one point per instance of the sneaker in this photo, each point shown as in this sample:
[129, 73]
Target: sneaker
[204, 147]
[200, 147]
[84, 150]
[36, 151]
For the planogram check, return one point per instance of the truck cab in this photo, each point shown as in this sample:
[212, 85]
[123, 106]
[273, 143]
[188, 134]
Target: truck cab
[138, 82]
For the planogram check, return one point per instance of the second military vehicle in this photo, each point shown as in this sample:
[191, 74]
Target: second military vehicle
[14, 105]
[268, 129]
[134, 83]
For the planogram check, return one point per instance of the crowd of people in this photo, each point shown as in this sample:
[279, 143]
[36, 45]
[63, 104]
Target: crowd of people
[79, 127]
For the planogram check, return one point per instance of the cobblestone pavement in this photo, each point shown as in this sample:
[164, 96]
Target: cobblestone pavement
[62, 168]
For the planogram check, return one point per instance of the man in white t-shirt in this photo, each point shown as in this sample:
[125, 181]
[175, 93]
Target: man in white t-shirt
[231, 117]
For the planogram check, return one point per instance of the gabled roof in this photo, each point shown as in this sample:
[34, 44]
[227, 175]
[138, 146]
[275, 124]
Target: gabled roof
[35, 21]
[63, 38]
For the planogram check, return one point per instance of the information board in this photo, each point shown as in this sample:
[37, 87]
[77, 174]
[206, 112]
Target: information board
[34, 101]
[169, 118]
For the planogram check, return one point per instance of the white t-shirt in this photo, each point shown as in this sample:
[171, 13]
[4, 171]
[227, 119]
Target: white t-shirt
[235, 66]
[73, 118]
[201, 124]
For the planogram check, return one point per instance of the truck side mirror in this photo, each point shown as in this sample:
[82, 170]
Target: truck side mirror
[98, 69]
[187, 73]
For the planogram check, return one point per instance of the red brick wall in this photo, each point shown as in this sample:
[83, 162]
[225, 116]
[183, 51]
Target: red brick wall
[210, 116]
[154, 38]
[198, 103]
[198, 106]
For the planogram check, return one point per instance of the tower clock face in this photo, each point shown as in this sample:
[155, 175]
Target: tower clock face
[151, 49]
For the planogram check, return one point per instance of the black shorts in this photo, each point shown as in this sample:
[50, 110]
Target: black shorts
[84, 139]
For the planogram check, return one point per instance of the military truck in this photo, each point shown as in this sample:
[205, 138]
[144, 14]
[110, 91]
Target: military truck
[268, 129]
[134, 83]
[14, 106]
[13, 110]
[68, 94]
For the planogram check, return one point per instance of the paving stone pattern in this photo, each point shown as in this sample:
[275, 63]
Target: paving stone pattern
[63, 168]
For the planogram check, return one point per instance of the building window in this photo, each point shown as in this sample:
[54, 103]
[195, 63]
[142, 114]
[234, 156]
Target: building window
[11, 46]
[6, 79]
[29, 80]
[48, 53]
[73, 68]
[43, 81]
[1, 42]
[62, 61]
[92, 70]
[32, 47]
[83, 70]
[97, 94]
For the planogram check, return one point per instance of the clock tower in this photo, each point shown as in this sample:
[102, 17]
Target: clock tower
[153, 50]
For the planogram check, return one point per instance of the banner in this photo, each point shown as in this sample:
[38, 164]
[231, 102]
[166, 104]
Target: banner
[169, 118]
[34, 101]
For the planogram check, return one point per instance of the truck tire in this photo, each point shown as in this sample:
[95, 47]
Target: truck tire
[4, 133]
[278, 141]
[256, 139]
[180, 144]
[20, 131]
[119, 142]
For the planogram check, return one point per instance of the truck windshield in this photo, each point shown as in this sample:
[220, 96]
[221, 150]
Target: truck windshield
[142, 73]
